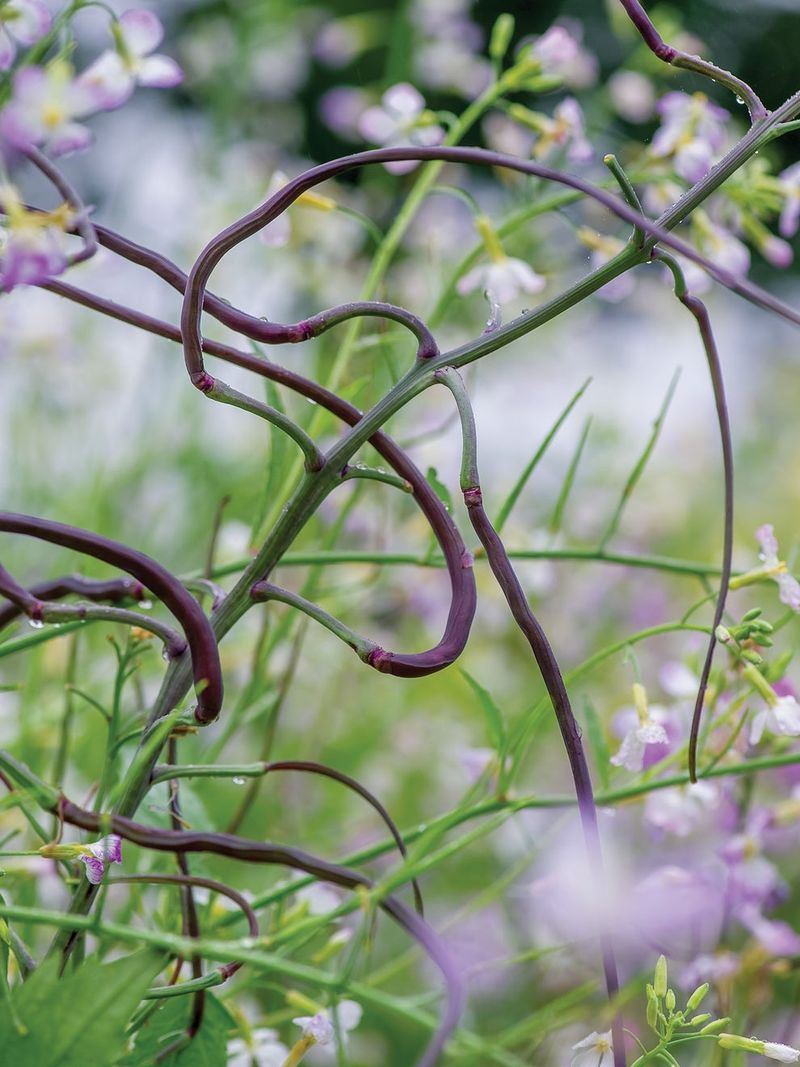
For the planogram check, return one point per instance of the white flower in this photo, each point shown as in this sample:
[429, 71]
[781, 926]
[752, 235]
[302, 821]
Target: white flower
[646, 730]
[321, 1028]
[402, 119]
[594, 1051]
[99, 855]
[781, 718]
[44, 103]
[632, 95]
[318, 899]
[564, 130]
[23, 21]
[263, 1047]
[720, 245]
[114, 75]
[788, 586]
[790, 187]
[692, 133]
[503, 280]
[681, 810]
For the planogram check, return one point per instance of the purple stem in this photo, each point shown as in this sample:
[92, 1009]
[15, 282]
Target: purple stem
[457, 558]
[83, 224]
[199, 634]
[195, 841]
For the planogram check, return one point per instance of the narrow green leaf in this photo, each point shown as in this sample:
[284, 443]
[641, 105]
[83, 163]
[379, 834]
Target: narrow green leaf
[569, 480]
[641, 462]
[494, 717]
[522, 481]
[595, 735]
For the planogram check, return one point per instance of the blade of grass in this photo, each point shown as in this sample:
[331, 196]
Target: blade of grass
[558, 511]
[522, 481]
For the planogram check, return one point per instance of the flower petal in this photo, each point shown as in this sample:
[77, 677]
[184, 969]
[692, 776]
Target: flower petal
[141, 30]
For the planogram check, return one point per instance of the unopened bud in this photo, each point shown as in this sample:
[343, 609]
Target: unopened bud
[660, 977]
[696, 999]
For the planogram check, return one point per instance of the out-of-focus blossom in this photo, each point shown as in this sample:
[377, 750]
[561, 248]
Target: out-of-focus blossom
[660, 195]
[445, 63]
[97, 856]
[714, 969]
[504, 278]
[720, 245]
[677, 680]
[114, 75]
[602, 249]
[564, 130]
[646, 730]
[681, 810]
[340, 41]
[320, 1027]
[789, 587]
[401, 119]
[691, 133]
[44, 105]
[317, 899]
[633, 95]
[31, 243]
[781, 718]
[776, 936]
[21, 22]
[262, 1046]
[341, 108]
[559, 52]
[278, 232]
[790, 187]
[753, 881]
[595, 1050]
[676, 910]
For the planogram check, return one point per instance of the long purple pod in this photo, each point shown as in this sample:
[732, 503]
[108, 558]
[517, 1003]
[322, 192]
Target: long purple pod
[111, 589]
[255, 220]
[570, 732]
[457, 559]
[203, 649]
[238, 848]
[257, 329]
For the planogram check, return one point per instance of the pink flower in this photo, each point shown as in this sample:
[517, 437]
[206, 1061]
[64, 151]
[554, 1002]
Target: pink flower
[719, 244]
[99, 855]
[564, 130]
[320, 1026]
[401, 119]
[23, 22]
[691, 133]
[559, 52]
[44, 104]
[114, 75]
[31, 244]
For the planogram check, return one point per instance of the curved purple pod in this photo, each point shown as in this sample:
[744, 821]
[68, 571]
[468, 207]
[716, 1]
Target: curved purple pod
[457, 558]
[203, 648]
[110, 589]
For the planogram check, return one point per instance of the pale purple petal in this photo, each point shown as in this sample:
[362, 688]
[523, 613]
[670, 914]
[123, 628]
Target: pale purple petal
[108, 81]
[72, 137]
[7, 50]
[768, 543]
[376, 125]
[403, 101]
[141, 30]
[95, 869]
[159, 72]
[32, 21]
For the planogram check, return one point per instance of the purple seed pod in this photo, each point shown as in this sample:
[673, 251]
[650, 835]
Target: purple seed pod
[203, 648]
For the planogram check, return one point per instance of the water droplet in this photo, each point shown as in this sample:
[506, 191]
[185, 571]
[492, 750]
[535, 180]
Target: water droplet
[313, 403]
[165, 654]
[37, 624]
[739, 100]
[238, 780]
[145, 605]
[248, 942]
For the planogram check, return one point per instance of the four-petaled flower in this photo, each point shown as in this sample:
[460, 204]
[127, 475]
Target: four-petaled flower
[504, 278]
[23, 22]
[114, 75]
[691, 133]
[44, 104]
[401, 119]
[781, 717]
[595, 1050]
[98, 855]
[564, 130]
[788, 586]
[31, 242]
[645, 732]
[320, 1027]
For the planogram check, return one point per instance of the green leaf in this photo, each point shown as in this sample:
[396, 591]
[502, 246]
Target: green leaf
[595, 735]
[494, 717]
[78, 1019]
[439, 488]
[208, 1048]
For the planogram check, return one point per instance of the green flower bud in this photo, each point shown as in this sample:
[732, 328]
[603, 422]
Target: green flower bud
[753, 613]
[660, 977]
[696, 999]
[502, 32]
[718, 1024]
[652, 1013]
[698, 1020]
[669, 1000]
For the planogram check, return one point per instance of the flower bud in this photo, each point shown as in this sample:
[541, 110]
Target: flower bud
[698, 1020]
[696, 999]
[669, 1000]
[502, 32]
[660, 977]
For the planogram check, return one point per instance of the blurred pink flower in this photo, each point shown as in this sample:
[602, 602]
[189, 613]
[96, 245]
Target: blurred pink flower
[401, 119]
[788, 586]
[23, 22]
[692, 132]
[44, 104]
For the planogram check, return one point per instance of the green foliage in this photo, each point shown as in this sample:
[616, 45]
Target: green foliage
[77, 1019]
[168, 1022]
